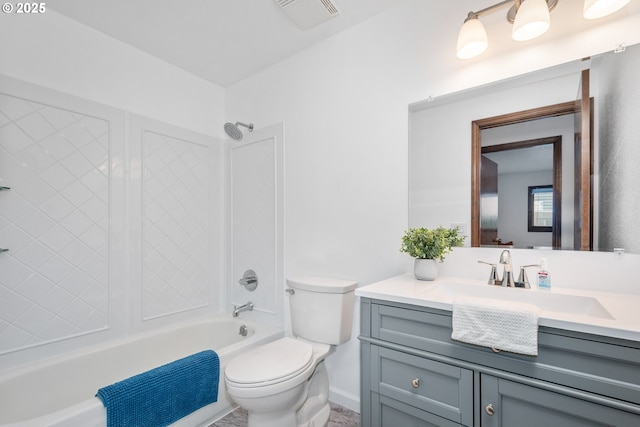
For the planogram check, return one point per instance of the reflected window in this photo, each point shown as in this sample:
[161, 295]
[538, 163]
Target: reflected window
[541, 208]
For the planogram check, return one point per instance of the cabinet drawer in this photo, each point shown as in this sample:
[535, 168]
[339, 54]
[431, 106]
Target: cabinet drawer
[389, 412]
[438, 388]
[413, 328]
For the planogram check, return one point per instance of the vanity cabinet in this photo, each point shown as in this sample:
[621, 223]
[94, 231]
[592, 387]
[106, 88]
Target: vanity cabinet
[413, 374]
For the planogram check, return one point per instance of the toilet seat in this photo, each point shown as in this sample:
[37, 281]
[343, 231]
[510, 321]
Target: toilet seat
[269, 364]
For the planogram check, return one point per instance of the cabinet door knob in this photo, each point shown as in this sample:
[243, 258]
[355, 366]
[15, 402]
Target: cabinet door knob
[415, 383]
[489, 410]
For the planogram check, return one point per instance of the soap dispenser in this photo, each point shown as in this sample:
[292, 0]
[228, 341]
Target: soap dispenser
[544, 278]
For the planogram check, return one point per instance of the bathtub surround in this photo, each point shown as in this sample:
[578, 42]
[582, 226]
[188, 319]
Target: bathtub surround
[110, 232]
[59, 156]
[255, 218]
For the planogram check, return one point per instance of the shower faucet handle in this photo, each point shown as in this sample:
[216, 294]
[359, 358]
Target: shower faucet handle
[249, 280]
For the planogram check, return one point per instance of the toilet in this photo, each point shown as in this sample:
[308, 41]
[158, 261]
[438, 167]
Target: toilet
[284, 383]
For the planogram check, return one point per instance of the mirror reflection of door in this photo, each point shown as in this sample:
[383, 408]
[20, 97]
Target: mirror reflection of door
[510, 171]
[489, 202]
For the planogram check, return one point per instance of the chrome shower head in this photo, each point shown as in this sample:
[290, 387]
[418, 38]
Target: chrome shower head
[233, 131]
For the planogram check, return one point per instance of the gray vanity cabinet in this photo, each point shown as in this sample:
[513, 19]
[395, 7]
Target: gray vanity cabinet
[414, 375]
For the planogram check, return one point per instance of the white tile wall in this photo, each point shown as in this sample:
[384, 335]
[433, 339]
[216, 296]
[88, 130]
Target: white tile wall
[109, 234]
[54, 220]
[175, 184]
[254, 233]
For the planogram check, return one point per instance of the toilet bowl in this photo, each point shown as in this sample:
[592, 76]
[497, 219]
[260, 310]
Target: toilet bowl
[284, 383]
[273, 381]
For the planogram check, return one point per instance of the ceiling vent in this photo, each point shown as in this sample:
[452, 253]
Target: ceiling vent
[308, 13]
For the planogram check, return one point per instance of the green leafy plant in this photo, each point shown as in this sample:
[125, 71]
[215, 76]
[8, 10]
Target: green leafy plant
[431, 243]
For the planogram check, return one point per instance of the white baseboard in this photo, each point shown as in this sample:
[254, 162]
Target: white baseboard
[342, 398]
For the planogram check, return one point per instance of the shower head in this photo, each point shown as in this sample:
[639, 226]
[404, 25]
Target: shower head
[233, 131]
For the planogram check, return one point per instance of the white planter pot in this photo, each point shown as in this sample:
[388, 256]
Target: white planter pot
[425, 269]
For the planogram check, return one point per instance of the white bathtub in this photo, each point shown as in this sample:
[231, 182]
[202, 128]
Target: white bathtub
[61, 392]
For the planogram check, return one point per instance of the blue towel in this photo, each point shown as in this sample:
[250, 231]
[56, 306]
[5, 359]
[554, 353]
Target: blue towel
[163, 395]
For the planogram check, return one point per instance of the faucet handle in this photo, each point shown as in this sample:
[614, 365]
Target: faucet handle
[493, 276]
[522, 277]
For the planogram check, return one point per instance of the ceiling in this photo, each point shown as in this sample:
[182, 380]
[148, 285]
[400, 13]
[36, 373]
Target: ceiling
[222, 41]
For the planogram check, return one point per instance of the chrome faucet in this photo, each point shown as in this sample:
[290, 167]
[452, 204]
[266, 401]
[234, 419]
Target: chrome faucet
[239, 309]
[507, 274]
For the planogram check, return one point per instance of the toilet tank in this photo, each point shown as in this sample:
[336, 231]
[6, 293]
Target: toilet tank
[322, 309]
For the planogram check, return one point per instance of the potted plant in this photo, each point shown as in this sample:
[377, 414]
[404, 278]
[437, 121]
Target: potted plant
[428, 246]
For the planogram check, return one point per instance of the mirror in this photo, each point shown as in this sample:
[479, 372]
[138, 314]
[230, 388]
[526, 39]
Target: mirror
[441, 178]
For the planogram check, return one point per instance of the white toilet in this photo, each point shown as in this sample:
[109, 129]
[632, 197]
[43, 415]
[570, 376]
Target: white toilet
[284, 383]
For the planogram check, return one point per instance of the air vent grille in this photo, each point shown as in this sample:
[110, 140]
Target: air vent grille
[330, 7]
[308, 13]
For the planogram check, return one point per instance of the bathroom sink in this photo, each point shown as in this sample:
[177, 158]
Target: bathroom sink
[544, 300]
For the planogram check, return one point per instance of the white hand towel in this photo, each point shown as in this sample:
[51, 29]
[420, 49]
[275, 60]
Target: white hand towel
[501, 325]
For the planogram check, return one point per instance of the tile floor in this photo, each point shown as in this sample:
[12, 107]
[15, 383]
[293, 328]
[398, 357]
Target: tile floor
[340, 417]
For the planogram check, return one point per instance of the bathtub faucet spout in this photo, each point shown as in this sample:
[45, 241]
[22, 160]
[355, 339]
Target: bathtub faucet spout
[239, 309]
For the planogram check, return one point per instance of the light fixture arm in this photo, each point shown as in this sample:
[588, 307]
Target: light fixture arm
[511, 15]
[490, 9]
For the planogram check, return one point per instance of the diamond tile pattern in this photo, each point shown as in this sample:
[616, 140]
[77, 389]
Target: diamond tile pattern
[175, 225]
[254, 221]
[54, 220]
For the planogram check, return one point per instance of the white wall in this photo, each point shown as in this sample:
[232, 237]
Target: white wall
[59, 53]
[345, 106]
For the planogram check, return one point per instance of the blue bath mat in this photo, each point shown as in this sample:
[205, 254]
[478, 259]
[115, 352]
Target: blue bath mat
[163, 395]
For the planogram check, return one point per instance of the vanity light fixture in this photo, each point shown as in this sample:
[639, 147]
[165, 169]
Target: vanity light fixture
[530, 19]
[594, 9]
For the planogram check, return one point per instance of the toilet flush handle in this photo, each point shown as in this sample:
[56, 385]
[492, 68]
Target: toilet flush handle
[290, 291]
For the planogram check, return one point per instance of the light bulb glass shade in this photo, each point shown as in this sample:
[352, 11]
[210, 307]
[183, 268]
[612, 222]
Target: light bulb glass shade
[532, 20]
[472, 39]
[594, 9]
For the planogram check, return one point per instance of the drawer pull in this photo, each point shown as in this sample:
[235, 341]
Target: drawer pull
[415, 383]
[489, 410]
[495, 350]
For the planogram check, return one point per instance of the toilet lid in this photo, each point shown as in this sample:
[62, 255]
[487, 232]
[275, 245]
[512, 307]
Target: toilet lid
[277, 360]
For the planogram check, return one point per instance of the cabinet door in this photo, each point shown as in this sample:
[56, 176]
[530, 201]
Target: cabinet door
[507, 403]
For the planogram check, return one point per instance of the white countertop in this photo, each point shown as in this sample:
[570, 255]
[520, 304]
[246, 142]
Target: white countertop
[620, 320]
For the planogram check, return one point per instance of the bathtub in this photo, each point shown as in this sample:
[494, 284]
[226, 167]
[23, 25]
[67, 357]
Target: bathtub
[61, 392]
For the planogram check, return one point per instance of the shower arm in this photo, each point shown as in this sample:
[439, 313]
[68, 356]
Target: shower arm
[248, 126]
